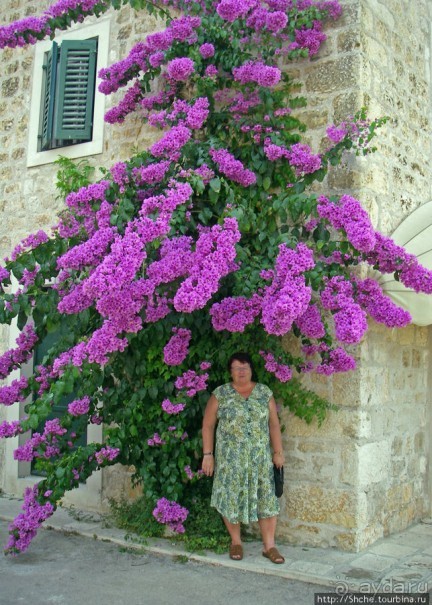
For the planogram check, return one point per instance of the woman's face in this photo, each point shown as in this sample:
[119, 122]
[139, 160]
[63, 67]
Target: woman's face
[240, 371]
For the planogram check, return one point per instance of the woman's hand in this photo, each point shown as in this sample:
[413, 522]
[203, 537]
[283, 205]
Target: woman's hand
[278, 460]
[208, 465]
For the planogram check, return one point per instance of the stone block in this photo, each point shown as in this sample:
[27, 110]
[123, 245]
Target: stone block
[333, 76]
[346, 390]
[375, 51]
[374, 462]
[348, 473]
[348, 40]
[314, 504]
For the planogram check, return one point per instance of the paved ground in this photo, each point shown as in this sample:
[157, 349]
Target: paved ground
[73, 570]
[61, 565]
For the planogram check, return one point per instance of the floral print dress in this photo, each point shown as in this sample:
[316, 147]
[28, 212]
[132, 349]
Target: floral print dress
[243, 486]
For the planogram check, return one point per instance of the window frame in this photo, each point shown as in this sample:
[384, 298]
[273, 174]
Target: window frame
[100, 30]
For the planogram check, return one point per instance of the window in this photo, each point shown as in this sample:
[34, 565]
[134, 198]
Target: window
[66, 109]
[68, 90]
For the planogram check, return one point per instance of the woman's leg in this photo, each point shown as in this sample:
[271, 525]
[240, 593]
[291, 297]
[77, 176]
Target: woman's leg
[233, 530]
[268, 528]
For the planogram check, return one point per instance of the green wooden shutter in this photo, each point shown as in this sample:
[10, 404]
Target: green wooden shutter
[50, 80]
[76, 84]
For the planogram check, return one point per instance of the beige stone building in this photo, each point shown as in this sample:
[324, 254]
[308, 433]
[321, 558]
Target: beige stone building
[367, 471]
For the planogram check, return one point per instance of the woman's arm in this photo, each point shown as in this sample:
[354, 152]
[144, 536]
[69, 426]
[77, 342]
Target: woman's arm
[275, 434]
[208, 430]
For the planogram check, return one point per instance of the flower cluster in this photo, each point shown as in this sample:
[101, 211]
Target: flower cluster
[180, 69]
[234, 314]
[24, 527]
[213, 259]
[107, 454]
[191, 475]
[191, 382]
[309, 38]
[171, 143]
[155, 440]
[14, 392]
[44, 444]
[29, 243]
[232, 168]
[356, 129]
[10, 429]
[231, 10]
[349, 318]
[299, 156]
[332, 360]
[349, 215]
[380, 307]
[171, 513]
[172, 408]
[13, 358]
[78, 407]
[287, 297]
[391, 258]
[282, 372]
[256, 72]
[177, 348]
[145, 55]
[310, 323]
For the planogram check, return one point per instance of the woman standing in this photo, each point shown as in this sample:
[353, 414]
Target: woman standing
[243, 486]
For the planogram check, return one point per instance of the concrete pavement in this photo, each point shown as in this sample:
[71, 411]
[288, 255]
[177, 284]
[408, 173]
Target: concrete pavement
[399, 563]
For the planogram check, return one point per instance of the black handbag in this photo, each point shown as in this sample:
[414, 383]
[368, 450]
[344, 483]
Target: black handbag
[278, 480]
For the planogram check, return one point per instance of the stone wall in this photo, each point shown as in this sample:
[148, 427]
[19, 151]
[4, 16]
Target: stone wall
[28, 195]
[364, 472]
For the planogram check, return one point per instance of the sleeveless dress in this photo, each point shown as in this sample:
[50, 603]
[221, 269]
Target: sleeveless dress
[243, 485]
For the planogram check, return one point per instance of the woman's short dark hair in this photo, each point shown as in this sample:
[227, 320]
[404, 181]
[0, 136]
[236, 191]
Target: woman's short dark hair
[242, 358]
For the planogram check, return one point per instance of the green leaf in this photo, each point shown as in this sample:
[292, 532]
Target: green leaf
[215, 185]
[33, 421]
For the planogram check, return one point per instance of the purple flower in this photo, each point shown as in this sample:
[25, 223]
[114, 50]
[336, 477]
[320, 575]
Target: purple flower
[310, 323]
[211, 71]
[234, 314]
[336, 134]
[379, 306]
[349, 216]
[281, 371]
[206, 50]
[24, 527]
[303, 160]
[230, 10]
[180, 69]
[213, 259]
[310, 39]
[172, 408]
[155, 440]
[171, 513]
[171, 143]
[191, 382]
[232, 168]
[257, 72]
[79, 406]
[107, 454]
[287, 297]
[177, 348]
[10, 429]
[276, 21]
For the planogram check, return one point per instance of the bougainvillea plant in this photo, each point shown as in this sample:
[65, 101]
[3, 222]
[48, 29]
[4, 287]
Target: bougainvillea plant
[209, 242]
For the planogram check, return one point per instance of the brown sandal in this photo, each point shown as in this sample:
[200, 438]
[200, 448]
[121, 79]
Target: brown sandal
[274, 555]
[236, 552]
